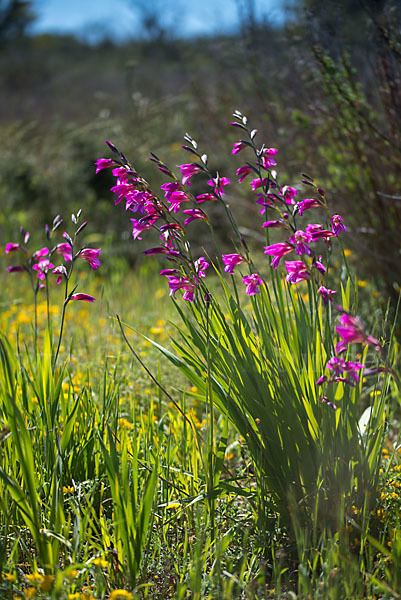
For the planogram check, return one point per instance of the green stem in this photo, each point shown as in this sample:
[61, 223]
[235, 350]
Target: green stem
[62, 323]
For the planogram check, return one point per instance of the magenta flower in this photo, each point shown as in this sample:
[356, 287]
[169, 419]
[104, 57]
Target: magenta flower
[312, 228]
[141, 225]
[91, 255]
[176, 199]
[300, 239]
[104, 163]
[187, 171]
[200, 266]
[276, 223]
[12, 248]
[278, 251]
[270, 152]
[326, 294]
[351, 331]
[40, 253]
[205, 198]
[60, 271]
[194, 214]
[219, 183]
[265, 201]
[170, 187]
[289, 194]
[15, 269]
[243, 172]
[252, 282]
[337, 224]
[267, 161]
[238, 146]
[257, 183]
[43, 267]
[85, 297]
[319, 266]
[162, 250]
[230, 261]
[322, 234]
[336, 364]
[297, 271]
[65, 250]
[307, 204]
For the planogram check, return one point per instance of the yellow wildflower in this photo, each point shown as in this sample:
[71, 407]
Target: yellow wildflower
[121, 595]
[30, 592]
[100, 562]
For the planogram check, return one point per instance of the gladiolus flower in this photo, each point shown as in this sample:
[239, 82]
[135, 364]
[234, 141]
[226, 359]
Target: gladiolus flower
[104, 163]
[337, 224]
[351, 331]
[205, 198]
[322, 234]
[60, 271]
[257, 183]
[252, 282]
[65, 250]
[243, 172]
[289, 194]
[238, 146]
[326, 294]
[141, 225]
[299, 239]
[219, 183]
[276, 223]
[200, 266]
[194, 214]
[278, 251]
[187, 171]
[265, 201]
[12, 248]
[176, 199]
[43, 267]
[307, 204]
[85, 297]
[40, 253]
[91, 255]
[297, 271]
[231, 261]
[15, 269]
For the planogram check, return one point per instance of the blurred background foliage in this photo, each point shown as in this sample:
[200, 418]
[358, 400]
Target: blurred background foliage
[324, 86]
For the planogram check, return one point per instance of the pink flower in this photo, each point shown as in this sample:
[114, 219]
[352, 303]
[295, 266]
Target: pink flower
[257, 183]
[12, 248]
[219, 183]
[243, 172]
[141, 225]
[43, 267]
[40, 253]
[170, 187]
[265, 201]
[297, 271]
[65, 250]
[205, 197]
[276, 223]
[300, 239]
[278, 251]
[289, 194]
[337, 224]
[319, 266]
[60, 271]
[176, 199]
[15, 269]
[200, 266]
[307, 204]
[270, 152]
[85, 297]
[268, 162]
[323, 234]
[91, 255]
[238, 146]
[187, 171]
[326, 294]
[351, 331]
[252, 282]
[104, 163]
[231, 261]
[194, 214]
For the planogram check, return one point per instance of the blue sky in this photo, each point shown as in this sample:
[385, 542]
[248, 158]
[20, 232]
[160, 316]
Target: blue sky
[120, 18]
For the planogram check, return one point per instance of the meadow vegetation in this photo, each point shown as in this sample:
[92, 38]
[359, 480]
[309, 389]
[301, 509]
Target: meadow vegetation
[199, 355]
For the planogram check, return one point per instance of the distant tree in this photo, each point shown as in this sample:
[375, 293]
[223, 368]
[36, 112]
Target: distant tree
[15, 17]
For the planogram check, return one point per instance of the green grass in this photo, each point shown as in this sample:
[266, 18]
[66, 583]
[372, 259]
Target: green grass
[107, 483]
